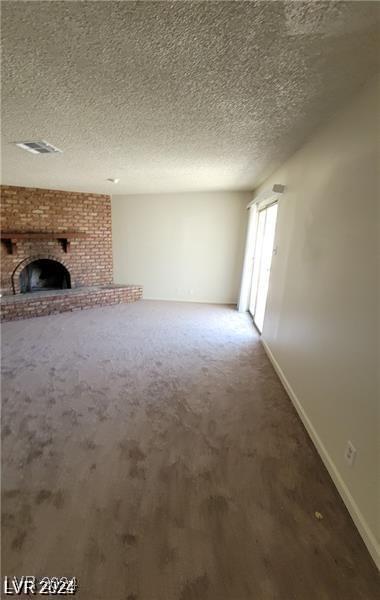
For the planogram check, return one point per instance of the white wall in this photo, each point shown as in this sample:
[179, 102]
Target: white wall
[181, 246]
[322, 320]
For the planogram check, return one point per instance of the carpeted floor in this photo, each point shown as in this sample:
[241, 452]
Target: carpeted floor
[150, 451]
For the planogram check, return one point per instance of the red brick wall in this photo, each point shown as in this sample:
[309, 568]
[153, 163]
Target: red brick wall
[33, 209]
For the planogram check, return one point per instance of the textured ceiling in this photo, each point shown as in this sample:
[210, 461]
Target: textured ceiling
[174, 96]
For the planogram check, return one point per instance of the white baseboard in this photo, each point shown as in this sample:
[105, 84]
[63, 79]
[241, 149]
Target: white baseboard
[368, 537]
[191, 300]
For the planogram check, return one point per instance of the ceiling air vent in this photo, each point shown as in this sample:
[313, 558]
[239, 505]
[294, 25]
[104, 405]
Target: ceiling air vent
[39, 147]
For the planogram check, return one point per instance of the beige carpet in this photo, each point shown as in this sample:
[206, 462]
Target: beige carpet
[150, 451]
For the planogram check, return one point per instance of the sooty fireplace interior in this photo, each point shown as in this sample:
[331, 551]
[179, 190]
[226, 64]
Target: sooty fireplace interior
[44, 274]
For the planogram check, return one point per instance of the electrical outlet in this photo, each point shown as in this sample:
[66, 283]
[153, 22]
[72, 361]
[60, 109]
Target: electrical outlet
[350, 453]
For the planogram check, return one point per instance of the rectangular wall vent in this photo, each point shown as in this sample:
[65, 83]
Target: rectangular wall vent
[38, 147]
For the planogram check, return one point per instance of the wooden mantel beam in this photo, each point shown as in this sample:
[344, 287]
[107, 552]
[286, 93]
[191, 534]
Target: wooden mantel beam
[9, 238]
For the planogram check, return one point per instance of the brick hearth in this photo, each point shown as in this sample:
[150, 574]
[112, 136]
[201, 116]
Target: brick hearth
[22, 306]
[73, 229]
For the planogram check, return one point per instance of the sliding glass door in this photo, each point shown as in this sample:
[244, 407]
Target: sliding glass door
[266, 227]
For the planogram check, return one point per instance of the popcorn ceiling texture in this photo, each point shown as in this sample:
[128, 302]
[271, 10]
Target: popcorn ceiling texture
[175, 96]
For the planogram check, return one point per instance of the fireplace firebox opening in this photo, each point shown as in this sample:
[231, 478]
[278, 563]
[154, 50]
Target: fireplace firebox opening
[44, 274]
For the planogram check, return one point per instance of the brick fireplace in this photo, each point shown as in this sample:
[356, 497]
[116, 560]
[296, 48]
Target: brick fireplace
[56, 252]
